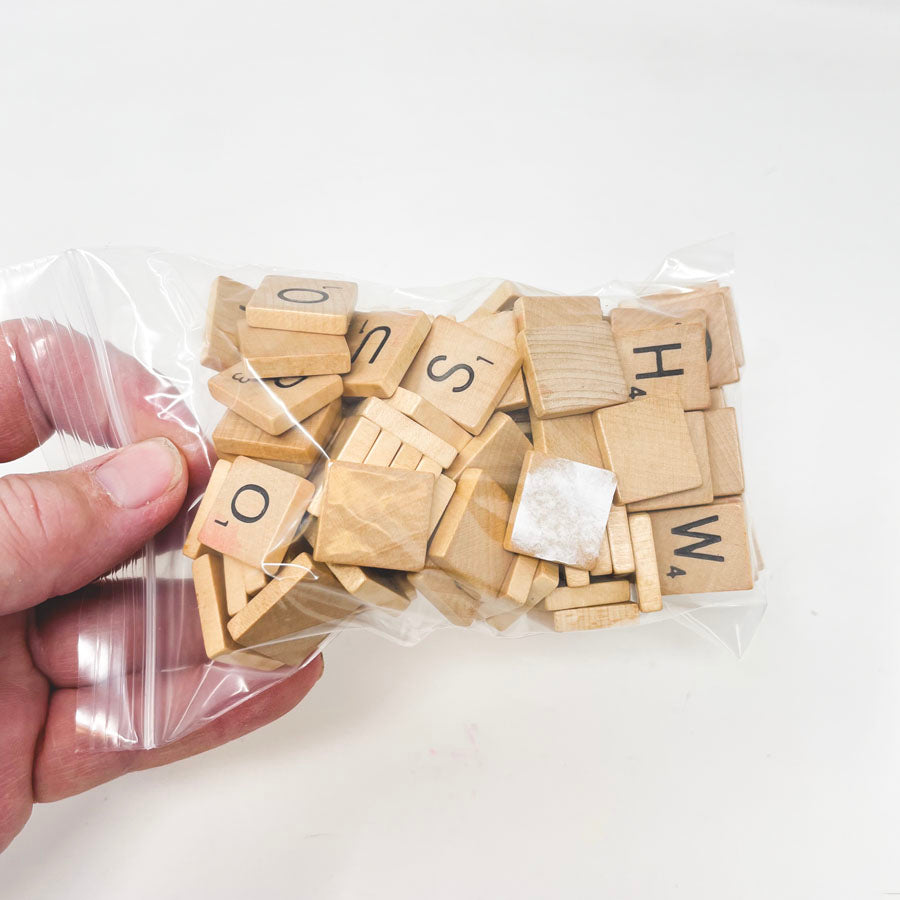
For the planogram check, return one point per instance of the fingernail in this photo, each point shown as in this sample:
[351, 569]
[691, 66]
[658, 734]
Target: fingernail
[141, 473]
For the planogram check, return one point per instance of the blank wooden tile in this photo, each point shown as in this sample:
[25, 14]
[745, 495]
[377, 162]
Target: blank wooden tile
[604, 564]
[444, 488]
[697, 496]
[255, 579]
[374, 517]
[726, 466]
[501, 297]
[256, 512]
[545, 580]
[571, 369]
[595, 617]
[273, 404]
[597, 593]
[429, 417]
[462, 373]
[301, 469]
[302, 304]
[450, 599]
[501, 327]
[301, 444]
[429, 465]
[618, 537]
[382, 346]
[571, 437]
[227, 306]
[499, 451]
[645, 565]
[648, 445]
[576, 577]
[192, 546]
[371, 587]
[236, 594]
[550, 311]
[560, 510]
[658, 361]
[353, 440]
[393, 421]
[516, 586]
[407, 457]
[383, 450]
[468, 542]
[716, 398]
[702, 549]
[270, 353]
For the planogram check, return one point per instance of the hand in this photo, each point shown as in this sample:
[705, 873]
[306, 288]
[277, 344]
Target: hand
[61, 530]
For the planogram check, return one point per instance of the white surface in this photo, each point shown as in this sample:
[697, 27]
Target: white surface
[562, 144]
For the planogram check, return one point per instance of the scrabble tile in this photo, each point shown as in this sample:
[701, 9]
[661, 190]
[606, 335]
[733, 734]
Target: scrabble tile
[301, 469]
[393, 421]
[501, 327]
[429, 465]
[444, 488]
[462, 373]
[429, 417]
[648, 445]
[270, 353]
[383, 450]
[727, 469]
[501, 297]
[255, 579]
[604, 564]
[192, 546]
[550, 311]
[560, 510]
[374, 517]
[702, 549]
[519, 577]
[597, 593]
[645, 566]
[407, 457]
[228, 301]
[443, 592]
[302, 444]
[353, 440]
[658, 361]
[629, 319]
[499, 451]
[236, 594]
[546, 579]
[571, 369]
[302, 304]
[371, 587]
[576, 577]
[595, 617]
[306, 598]
[382, 346]
[699, 495]
[273, 404]
[468, 542]
[716, 398]
[571, 437]
[618, 537]
[723, 367]
[256, 512]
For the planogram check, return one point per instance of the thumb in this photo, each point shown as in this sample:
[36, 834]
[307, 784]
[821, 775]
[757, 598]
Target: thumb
[61, 530]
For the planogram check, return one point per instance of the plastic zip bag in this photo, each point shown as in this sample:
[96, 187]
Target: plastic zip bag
[112, 343]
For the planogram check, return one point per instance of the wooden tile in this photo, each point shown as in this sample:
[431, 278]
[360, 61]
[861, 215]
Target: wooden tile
[462, 373]
[270, 353]
[604, 564]
[192, 546]
[551, 311]
[273, 404]
[697, 496]
[374, 517]
[301, 469]
[595, 617]
[731, 313]
[499, 451]
[501, 327]
[648, 445]
[702, 549]
[255, 579]
[571, 369]
[301, 444]
[256, 512]
[571, 437]
[306, 598]
[597, 593]
[382, 346]
[560, 510]
[353, 440]
[429, 417]
[576, 577]
[429, 465]
[407, 457]
[371, 587]
[393, 421]
[716, 398]
[516, 586]
[468, 542]
[501, 297]
[546, 579]
[302, 304]
[227, 306]
[725, 461]
[236, 594]
[646, 572]
[443, 592]
[383, 450]
[444, 488]
[618, 537]
[629, 319]
[658, 361]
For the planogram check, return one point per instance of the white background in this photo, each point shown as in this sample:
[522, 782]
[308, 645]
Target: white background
[561, 144]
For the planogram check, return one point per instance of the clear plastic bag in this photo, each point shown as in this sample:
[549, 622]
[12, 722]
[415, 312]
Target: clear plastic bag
[112, 343]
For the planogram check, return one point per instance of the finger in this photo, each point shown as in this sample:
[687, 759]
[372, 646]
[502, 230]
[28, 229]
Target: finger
[60, 530]
[68, 763]
[54, 379]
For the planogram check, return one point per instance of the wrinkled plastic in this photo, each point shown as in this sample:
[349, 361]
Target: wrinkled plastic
[111, 343]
